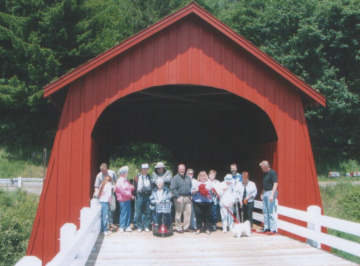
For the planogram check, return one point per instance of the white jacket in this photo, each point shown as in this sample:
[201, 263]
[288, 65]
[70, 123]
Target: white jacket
[227, 194]
[251, 191]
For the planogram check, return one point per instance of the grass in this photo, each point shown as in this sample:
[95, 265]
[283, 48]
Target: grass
[13, 167]
[342, 201]
[17, 213]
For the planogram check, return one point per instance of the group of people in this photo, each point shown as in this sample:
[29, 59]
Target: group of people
[193, 204]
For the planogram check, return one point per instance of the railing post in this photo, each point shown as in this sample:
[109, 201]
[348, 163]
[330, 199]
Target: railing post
[314, 214]
[85, 217]
[67, 235]
[19, 182]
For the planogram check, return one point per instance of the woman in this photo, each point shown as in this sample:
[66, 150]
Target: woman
[202, 202]
[160, 199]
[104, 194]
[124, 190]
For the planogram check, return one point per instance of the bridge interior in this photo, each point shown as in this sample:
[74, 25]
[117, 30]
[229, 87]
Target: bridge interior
[203, 127]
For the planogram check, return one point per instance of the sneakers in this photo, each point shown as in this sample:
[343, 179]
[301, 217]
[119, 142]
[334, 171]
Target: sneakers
[224, 230]
[121, 230]
[106, 233]
[147, 230]
[208, 232]
[139, 230]
[128, 229]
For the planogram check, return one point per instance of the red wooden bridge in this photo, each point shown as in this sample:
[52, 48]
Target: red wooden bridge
[187, 69]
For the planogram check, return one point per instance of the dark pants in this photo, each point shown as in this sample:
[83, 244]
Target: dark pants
[202, 212]
[163, 218]
[248, 212]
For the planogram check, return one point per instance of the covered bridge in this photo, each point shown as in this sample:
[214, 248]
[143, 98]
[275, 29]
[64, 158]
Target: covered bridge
[188, 82]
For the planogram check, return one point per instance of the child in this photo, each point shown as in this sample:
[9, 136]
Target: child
[105, 193]
[202, 202]
[214, 209]
[160, 199]
[123, 190]
[227, 195]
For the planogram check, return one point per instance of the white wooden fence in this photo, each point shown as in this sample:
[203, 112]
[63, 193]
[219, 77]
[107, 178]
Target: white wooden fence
[315, 221]
[75, 245]
[18, 181]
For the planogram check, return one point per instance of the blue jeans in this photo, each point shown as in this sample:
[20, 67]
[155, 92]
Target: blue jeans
[104, 216]
[142, 211]
[193, 223]
[269, 210]
[125, 214]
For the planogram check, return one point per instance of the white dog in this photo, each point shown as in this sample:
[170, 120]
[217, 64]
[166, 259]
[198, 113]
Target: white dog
[241, 229]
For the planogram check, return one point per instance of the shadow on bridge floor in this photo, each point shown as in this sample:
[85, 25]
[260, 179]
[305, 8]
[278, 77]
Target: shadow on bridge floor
[96, 250]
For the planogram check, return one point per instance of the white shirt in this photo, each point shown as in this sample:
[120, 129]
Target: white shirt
[143, 182]
[251, 191]
[106, 193]
[100, 177]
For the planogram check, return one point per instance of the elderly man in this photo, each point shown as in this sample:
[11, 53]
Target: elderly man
[104, 171]
[247, 194]
[142, 201]
[181, 190]
[161, 172]
[234, 172]
[269, 195]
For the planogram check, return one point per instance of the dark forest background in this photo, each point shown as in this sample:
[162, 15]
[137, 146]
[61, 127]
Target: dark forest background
[40, 40]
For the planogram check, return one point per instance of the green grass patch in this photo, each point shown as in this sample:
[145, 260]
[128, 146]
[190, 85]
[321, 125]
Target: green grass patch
[342, 201]
[17, 213]
[14, 167]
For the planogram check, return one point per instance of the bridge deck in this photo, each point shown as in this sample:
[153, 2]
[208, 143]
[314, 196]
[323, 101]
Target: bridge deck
[217, 249]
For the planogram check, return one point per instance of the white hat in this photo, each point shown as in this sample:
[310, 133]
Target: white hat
[123, 170]
[145, 166]
[159, 165]
[228, 177]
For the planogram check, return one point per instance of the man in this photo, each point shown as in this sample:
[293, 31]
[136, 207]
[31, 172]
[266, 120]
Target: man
[193, 226]
[163, 173]
[142, 201]
[181, 190]
[237, 178]
[104, 171]
[269, 195]
[234, 172]
[247, 196]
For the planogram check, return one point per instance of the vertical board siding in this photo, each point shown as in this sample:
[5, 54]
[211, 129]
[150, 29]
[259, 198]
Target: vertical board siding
[188, 52]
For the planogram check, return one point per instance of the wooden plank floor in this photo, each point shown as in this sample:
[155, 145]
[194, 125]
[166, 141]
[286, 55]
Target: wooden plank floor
[216, 249]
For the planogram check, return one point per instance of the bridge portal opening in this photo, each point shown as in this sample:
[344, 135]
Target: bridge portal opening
[206, 128]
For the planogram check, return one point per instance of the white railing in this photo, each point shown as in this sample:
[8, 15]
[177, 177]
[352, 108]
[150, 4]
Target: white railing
[18, 181]
[315, 221]
[75, 245]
